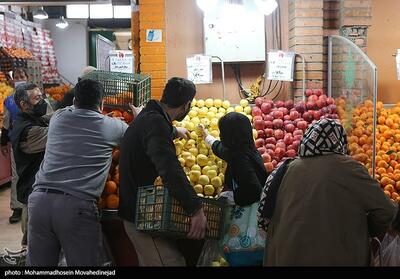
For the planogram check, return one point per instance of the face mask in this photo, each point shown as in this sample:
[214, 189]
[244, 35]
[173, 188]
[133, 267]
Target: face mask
[40, 108]
[181, 117]
[19, 83]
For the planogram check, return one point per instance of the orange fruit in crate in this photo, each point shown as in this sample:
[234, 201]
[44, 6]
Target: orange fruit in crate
[396, 176]
[111, 187]
[117, 113]
[395, 195]
[127, 117]
[116, 178]
[115, 156]
[382, 164]
[112, 201]
[381, 171]
[389, 188]
[398, 185]
[385, 181]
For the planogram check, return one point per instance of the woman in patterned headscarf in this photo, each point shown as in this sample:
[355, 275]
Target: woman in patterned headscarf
[321, 208]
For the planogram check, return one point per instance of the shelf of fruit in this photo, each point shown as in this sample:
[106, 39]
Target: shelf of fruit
[204, 170]
[57, 92]
[360, 137]
[278, 129]
[110, 196]
[279, 126]
[18, 53]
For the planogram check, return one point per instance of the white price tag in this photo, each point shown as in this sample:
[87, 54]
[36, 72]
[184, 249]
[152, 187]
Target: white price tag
[121, 61]
[280, 65]
[199, 69]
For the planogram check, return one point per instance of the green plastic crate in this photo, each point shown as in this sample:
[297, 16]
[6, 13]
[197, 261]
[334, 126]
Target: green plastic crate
[158, 213]
[122, 88]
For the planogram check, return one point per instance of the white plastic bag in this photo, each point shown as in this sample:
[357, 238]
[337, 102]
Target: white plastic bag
[390, 249]
[211, 255]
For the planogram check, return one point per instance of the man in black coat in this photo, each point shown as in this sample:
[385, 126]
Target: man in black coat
[148, 151]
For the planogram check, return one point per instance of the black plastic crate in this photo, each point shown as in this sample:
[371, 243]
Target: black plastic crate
[123, 88]
[158, 213]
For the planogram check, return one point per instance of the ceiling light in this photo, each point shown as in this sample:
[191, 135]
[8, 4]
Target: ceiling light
[78, 11]
[40, 14]
[267, 7]
[62, 23]
[206, 5]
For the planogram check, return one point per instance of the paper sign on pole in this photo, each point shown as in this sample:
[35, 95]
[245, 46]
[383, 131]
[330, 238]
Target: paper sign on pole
[199, 69]
[121, 61]
[281, 65]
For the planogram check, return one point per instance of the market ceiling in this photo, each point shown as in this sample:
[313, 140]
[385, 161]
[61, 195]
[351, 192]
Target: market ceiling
[63, 2]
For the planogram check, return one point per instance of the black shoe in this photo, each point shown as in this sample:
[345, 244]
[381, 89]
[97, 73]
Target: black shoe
[16, 216]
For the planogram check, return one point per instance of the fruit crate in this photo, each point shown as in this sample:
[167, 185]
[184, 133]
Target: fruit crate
[158, 213]
[122, 88]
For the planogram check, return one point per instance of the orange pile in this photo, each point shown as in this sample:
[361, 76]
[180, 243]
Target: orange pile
[110, 196]
[119, 99]
[57, 93]
[16, 53]
[118, 113]
[358, 123]
[388, 151]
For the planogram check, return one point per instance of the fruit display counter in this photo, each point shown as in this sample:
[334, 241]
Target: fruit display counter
[280, 126]
[204, 170]
[110, 196]
[57, 92]
[359, 123]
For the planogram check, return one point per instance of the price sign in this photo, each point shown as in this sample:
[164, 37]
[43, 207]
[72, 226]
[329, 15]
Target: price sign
[281, 65]
[199, 69]
[121, 61]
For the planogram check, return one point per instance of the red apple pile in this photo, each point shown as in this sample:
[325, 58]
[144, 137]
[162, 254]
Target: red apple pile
[281, 125]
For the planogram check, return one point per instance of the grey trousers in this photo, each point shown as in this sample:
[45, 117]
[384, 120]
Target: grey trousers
[14, 203]
[62, 221]
[24, 225]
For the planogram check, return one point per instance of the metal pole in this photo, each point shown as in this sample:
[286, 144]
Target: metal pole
[304, 75]
[330, 66]
[375, 121]
[223, 75]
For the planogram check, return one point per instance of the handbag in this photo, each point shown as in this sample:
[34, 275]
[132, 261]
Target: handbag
[242, 243]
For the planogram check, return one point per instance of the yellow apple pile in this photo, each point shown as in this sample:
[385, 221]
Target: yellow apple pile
[204, 170]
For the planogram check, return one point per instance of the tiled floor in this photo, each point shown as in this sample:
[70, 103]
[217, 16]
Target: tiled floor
[10, 234]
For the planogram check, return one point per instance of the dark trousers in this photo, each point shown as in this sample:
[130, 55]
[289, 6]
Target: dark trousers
[62, 221]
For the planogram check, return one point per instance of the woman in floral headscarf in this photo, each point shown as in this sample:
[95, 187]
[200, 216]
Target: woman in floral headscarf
[321, 208]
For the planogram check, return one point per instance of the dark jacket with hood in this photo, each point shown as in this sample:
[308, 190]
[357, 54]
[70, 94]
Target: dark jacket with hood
[245, 166]
[148, 151]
